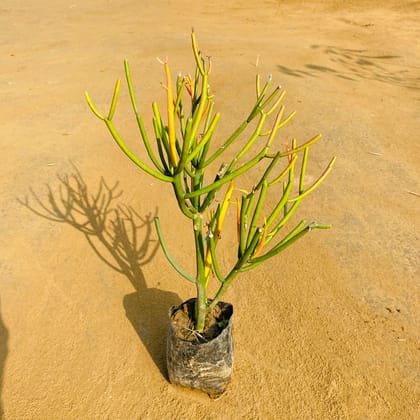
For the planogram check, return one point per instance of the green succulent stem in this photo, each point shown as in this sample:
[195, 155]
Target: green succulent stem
[235, 270]
[168, 255]
[140, 123]
[229, 177]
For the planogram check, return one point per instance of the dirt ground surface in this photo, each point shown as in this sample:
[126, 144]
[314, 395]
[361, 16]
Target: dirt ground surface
[326, 330]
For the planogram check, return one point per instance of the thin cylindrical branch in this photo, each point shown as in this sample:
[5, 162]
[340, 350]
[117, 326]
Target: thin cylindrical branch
[270, 167]
[261, 243]
[198, 114]
[242, 226]
[206, 138]
[276, 104]
[217, 226]
[255, 111]
[197, 55]
[162, 155]
[302, 146]
[209, 119]
[171, 117]
[229, 177]
[303, 170]
[287, 215]
[133, 157]
[257, 108]
[186, 144]
[272, 96]
[278, 208]
[250, 142]
[285, 171]
[316, 183]
[93, 108]
[257, 211]
[287, 120]
[160, 132]
[181, 82]
[276, 126]
[236, 269]
[208, 200]
[168, 255]
[298, 233]
[114, 101]
[180, 196]
[215, 264]
[139, 120]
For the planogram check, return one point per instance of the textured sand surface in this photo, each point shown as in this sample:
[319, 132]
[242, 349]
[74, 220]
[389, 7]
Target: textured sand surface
[328, 329]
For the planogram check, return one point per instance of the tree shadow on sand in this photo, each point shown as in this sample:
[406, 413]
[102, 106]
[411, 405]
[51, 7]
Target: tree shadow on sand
[122, 240]
[4, 335]
[356, 64]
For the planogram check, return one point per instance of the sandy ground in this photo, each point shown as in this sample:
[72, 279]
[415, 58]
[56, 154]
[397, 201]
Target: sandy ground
[328, 329]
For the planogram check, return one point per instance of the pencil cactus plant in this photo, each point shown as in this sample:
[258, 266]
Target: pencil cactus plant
[181, 154]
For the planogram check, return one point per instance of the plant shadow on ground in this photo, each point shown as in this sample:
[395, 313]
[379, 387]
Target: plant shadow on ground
[122, 240]
[4, 335]
[355, 64]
